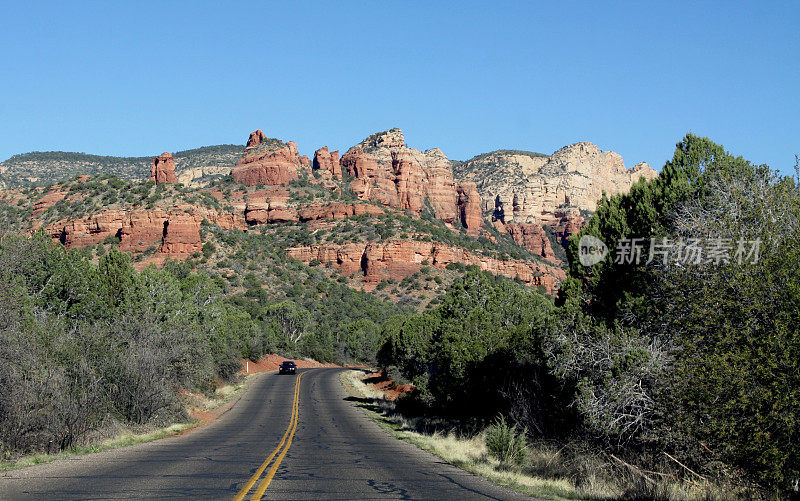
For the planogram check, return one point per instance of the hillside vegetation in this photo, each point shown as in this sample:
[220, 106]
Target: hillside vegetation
[83, 345]
[486, 165]
[48, 167]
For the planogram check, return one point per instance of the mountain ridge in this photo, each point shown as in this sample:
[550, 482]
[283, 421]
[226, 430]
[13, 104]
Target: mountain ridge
[380, 213]
[41, 168]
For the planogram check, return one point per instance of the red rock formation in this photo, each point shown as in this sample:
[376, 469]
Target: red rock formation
[469, 207]
[338, 210]
[272, 166]
[257, 213]
[174, 233]
[568, 223]
[52, 197]
[255, 139]
[372, 181]
[163, 169]
[345, 257]
[273, 211]
[440, 188]
[327, 163]
[408, 181]
[397, 259]
[387, 172]
[181, 236]
[305, 161]
[336, 165]
[276, 211]
[532, 237]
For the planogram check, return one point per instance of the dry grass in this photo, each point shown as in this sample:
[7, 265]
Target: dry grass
[552, 471]
[116, 435]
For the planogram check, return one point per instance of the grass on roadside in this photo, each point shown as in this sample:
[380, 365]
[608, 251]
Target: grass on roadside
[467, 453]
[550, 471]
[223, 395]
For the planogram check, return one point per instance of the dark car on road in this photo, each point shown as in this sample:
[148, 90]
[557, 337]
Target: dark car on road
[287, 367]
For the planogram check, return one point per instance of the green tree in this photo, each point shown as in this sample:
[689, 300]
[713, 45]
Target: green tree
[608, 289]
[116, 276]
[292, 320]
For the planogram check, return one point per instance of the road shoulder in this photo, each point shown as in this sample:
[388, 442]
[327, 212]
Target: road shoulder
[449, 448]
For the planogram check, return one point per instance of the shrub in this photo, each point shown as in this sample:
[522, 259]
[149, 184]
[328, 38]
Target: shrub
[112, 240]
[208, 249]
[507, 444]
[455, 266]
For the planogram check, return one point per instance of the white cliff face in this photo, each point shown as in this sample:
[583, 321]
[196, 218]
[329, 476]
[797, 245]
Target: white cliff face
[195, 176]
[526, 187]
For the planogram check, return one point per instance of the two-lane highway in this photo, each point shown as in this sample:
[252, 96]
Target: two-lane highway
[286, 438]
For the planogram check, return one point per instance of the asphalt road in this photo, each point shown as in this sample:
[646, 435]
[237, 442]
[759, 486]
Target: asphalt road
[332, 450]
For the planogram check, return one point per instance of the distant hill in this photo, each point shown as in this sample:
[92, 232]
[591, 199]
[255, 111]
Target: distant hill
[42, 168]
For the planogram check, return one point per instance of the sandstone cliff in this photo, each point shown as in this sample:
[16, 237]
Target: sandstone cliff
[327, 163]
[256, 137]
[536, 200]
[268, 161]
[397, 259]
[171, 233]
[388, 172]
[277, 210]
[526, 187]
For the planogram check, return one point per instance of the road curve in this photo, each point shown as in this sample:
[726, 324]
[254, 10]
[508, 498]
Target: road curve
[335, 452]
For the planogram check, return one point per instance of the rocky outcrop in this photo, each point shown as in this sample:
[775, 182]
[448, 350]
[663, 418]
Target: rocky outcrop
[196, 177]
[256, 137]
[338, 210]
[408, 178]
[327, 163]
[269, 211]
[268, 161]
[181, 236]
[526, 187]
[569, 222]
[533, 237]
[469, 207]
[524, 190]
[52, 197]
[388, 172]
[440, 189]
[163, 169]
[397, 259]
[277, 211]
[171, 233]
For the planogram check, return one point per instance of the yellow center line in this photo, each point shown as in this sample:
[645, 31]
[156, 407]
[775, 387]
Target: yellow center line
[271, 473]
[288, 434]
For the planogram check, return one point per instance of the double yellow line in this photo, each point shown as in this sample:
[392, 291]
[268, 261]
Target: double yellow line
[286, 440]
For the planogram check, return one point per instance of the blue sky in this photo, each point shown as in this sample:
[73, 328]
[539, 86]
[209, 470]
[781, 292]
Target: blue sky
[139, 78]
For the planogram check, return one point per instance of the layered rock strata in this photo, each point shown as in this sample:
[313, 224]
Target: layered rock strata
[526, 187]
[384, 170]
[268, 161]
[397, 259]
[172, 233]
